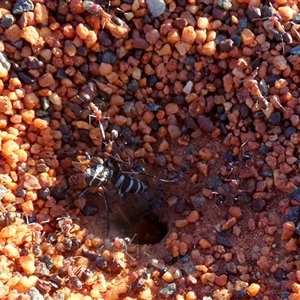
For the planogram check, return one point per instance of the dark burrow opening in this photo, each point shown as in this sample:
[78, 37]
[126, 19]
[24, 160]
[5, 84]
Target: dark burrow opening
[132, 217]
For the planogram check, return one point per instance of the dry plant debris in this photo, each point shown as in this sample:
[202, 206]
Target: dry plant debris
[201, 95]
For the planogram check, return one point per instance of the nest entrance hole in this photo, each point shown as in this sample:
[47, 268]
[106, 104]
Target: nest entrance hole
[133, 218]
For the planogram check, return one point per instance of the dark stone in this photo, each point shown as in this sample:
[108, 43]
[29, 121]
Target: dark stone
[220, 109]
[293, 215]
[169, 290]
[226, 45]
[140, 43]
[58, 193]
[179, 99]
[275, 118]
[18, 44]
[265, 149]
[206, 124]
[188, 267]
[285, 295]
[109, 57]
[222, 240]
[278, 36]
[161, 160]
[25, 77]
[213, 182]
[133, 85]
[229, 157]
[267, 11]
[222, 117]
[219, 13]
[147, 19]
[190, 123]
[245, 198]
[61, 74]
[20, 193]
[244, 110]
[64, 129]
[116, 267]
[231, 268]
[33, 63]
[259, 205]
[82, 51]
[84, 68]
[189, 60]
[180, 206]
[43, 193]
[253, 13]
[280, 274]
[154, 124]
[289, 131]
[185, 258]
[90, 210]
[220, 38]
[138, 54]
[272, 79]
[243, 23]
[207, 9]
[105, 38]
[223, 128]
[76, 109]
[296, 18]
[47, 259]
[198, 202]
[180, 23]
[237, 40]
[240, 290]
[152, 80]
[22, 6]
[41, 113]
[296, 194]
[7, 21]
[295, 50]
[267, 173]
[169, 259]
[298, 229]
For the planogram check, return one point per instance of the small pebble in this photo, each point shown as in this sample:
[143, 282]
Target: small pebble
[168, 290]
[205, 244]
[253, 289]
[193, 217]
[22, 6]
[7, 21]
[221, 239]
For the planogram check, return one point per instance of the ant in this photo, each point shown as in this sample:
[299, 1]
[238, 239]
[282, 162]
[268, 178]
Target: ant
[98, 114]
[38, 234]
[65, 224]
[115, 25]
[253, 86]
[72, 276]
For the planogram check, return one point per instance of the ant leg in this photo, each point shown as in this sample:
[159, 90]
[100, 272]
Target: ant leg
[82, 193]
[108, 210]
